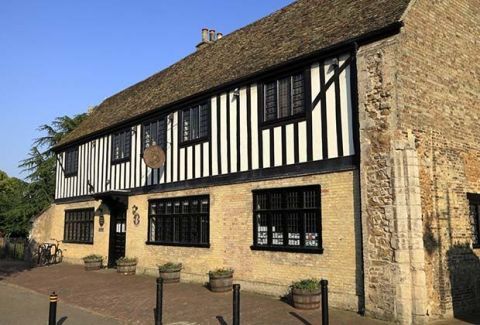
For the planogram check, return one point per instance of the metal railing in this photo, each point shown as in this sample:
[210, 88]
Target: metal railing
[13, 248]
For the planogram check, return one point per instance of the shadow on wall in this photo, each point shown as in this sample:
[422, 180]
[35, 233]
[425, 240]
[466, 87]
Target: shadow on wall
[464, 272]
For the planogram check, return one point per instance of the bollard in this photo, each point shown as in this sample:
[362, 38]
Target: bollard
[324, 285]
[158, 310]
[52, 314]
[236, 304]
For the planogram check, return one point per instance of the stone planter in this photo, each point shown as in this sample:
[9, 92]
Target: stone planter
[127, 268]
[220, 283]
[170, 276]
[92, 265]
[306, 299]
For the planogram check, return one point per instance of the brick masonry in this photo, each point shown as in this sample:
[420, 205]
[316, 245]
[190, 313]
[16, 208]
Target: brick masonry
[231, 235]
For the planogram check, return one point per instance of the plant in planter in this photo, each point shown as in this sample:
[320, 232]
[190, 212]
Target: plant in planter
[93, 262]
[170, 272]
[306, 294]
[220, 280]
[127, 265]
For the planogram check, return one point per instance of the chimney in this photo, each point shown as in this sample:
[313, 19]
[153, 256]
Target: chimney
[212, 35]
[208, 37]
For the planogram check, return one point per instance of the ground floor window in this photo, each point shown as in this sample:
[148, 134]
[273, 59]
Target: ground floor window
[79, 226]
[474, 200]
[287, 219]
[180, 221]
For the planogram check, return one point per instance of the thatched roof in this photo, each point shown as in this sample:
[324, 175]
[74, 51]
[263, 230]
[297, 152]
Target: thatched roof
[301, 28]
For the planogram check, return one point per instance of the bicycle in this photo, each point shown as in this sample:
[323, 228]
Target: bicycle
[50, 253]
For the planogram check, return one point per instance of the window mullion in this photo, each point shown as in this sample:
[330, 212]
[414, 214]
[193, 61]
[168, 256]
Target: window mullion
[302, 216]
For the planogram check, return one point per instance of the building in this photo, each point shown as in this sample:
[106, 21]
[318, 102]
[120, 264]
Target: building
[331, 139]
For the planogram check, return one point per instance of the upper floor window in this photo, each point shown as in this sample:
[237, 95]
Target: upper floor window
[284, 97]
[179, 221]
[121, 143]
[154, 133]
[195, 123]
[474, 201]
[71, 162]
[287, 219]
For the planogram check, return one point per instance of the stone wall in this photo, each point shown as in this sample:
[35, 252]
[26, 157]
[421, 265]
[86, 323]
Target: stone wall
[439, 81]
[419, 98]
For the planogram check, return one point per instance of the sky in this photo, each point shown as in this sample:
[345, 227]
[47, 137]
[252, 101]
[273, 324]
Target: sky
[61, 57]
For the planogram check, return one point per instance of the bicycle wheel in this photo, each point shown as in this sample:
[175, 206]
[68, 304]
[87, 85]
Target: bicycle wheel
[59, 256]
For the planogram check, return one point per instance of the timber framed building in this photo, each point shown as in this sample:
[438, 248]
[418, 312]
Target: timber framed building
[331, 139]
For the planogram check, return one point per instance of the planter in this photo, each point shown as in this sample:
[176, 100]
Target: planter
[92, 265]
[127, 268]
[170, 276]
[306, 299]
[220, 283]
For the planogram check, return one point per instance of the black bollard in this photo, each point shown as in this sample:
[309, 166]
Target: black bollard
[52, 314]
[236, 304]
[158, 310]
[324, 285]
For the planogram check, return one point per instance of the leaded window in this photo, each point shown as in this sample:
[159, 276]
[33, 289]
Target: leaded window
[179, 221]
[474, 209]
[121, 146]
[195, 123]
[284, 97]
[71, 162]
[79, 226]
[154, 133]
[287, 219]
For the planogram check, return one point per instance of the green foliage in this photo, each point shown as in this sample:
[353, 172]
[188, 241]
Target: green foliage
[19, 200]
[127, 260]
[170, 267]
[93, 258]
[306, 284]
[221, 272]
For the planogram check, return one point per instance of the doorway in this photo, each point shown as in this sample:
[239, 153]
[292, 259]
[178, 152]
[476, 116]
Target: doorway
[118, 232]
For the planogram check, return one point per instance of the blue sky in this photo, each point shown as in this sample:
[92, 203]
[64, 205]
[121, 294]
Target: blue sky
[60, 57]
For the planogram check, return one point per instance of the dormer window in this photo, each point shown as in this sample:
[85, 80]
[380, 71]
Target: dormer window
[284, 98]
[71, 162]
[195, 123]
[121, 144]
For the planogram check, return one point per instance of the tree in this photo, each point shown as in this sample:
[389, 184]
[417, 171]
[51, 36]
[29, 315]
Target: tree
[19, 200]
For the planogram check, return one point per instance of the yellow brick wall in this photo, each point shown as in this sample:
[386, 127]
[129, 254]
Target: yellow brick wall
[51, 225]
[231, 235]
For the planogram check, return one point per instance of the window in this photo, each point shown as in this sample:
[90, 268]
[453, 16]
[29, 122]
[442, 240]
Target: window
[284, 98]
[71, 162]
[121, 143]
[287, 219]
[79, 226]
[179, 221]
[474, 201]
[195, 123]
[154, 133]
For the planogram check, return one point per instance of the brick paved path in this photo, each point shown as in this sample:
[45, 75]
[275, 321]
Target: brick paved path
[132, 299]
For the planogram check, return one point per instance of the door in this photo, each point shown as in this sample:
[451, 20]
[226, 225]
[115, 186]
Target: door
[118, 231]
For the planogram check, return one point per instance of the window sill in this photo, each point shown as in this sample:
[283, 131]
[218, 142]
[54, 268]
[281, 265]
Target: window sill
[77, 242]
[284, 120]
[119, 161]
[193, 142]
[178, 244]
[287, 249]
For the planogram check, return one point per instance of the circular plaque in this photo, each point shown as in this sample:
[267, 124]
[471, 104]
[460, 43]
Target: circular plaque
[154, 156]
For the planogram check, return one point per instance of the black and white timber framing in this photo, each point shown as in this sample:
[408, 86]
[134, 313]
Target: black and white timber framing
[240, 146]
